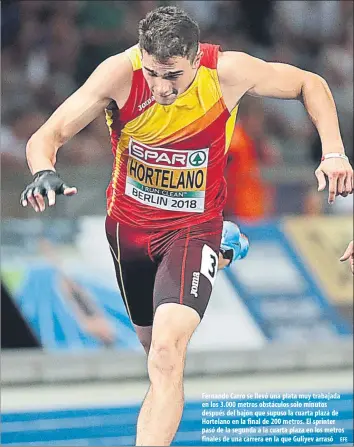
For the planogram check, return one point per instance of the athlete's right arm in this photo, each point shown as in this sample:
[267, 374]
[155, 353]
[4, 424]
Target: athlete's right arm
[79, 110]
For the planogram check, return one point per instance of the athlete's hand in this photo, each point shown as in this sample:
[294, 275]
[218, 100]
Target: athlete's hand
[340, 177]
[45, 184]
[223, 262]
[349, 254]
[233, 246]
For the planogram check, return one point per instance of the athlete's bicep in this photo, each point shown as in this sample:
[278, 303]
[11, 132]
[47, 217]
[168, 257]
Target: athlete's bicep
[261, 78]
[277, 80]
[86, 103]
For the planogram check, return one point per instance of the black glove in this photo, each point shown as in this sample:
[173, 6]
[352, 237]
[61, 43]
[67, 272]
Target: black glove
[44, 183]
[227, 254]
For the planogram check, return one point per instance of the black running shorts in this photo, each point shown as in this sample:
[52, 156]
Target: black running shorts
[156, 267]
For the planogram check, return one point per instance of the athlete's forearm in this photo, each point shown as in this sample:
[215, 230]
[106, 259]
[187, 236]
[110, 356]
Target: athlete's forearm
[41, 152]
[319, 103]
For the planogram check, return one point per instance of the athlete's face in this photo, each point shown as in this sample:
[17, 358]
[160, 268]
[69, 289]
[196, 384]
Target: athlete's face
[169, 79]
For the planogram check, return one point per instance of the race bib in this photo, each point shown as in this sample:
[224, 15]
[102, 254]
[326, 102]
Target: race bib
[168, 179]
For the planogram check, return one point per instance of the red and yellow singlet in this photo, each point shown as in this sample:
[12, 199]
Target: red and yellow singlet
[169, 160]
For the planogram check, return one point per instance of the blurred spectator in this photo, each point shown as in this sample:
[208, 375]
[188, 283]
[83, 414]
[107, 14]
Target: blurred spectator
[288, 123]
[203, 12]
[91, 146]
[308, 24]
[10, 22]
[15, 91]
[14, 137]
[249, 196]
[256, 21]
[343, 206]
[101, 26]
[314, 203]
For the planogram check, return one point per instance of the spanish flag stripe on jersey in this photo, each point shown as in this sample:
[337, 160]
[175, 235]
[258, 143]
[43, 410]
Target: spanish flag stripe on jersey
[229, 128]
[161, 122]
[134, 55]
[195, 127]
[201, 136]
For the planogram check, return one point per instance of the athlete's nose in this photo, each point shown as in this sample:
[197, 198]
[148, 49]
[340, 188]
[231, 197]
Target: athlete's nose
[162, 88]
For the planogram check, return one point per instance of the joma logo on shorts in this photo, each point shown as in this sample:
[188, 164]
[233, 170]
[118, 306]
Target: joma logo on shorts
[195, 284]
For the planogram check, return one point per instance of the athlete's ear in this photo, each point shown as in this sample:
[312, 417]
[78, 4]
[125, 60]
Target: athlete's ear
[197, 59]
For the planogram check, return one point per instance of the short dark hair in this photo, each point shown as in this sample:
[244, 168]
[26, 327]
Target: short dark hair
[167, 32]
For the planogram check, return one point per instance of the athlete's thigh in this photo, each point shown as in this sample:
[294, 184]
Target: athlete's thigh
[188, 269]
[135, 271]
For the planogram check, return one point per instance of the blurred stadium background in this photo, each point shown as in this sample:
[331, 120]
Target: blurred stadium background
[73, 372]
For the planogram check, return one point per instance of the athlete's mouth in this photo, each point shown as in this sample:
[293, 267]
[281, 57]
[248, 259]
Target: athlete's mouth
[166, 96]
[173, 93]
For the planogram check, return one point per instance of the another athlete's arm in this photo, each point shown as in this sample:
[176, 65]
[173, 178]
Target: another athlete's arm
[88, 314]
[349, 255]
[80, 109]
[244, 74]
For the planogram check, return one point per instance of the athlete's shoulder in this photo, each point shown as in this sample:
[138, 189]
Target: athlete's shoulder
[234, 67]
[114, 69]
[113, 76]
[117, 66]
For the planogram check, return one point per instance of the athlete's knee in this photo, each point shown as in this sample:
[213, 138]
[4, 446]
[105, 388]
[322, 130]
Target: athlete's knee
[172, 329]
[166, 360]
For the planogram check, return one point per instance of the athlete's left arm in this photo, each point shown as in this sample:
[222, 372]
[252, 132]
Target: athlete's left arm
[276, 80]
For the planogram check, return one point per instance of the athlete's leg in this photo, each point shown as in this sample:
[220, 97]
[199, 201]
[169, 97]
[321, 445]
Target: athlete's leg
[182, 290]
[162, 409]
[144, 335]
[233, 238]
[135, 273]
[231, 243]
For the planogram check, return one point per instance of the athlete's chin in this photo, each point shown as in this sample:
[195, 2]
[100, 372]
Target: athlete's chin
[165, 100]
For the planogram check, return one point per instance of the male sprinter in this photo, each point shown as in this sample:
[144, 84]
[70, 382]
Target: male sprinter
[171, 104]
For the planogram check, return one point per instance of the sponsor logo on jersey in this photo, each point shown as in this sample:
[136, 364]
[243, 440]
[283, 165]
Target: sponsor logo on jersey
[168, 157]
[167, 178]
[197, 158]
[146, 103]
